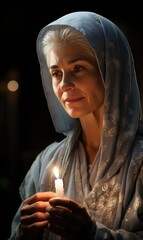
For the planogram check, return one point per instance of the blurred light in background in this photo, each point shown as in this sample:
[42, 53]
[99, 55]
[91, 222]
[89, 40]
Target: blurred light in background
[12, 85]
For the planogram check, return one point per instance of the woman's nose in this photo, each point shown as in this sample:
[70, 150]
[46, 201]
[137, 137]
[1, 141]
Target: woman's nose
[66, 83]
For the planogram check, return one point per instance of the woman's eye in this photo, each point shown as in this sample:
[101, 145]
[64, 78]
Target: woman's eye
[56, 74]
[78, 68]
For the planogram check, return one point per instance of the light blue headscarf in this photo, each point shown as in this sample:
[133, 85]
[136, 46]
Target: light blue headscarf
[115, 176]
[122, 98]
[115, 61]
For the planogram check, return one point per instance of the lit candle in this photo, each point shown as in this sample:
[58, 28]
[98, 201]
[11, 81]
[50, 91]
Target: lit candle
[58, 184]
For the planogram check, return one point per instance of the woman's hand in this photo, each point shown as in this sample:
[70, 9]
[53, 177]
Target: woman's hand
[33, 218]
[68, 219]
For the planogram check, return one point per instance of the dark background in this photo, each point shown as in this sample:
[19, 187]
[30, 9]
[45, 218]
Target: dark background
[25, 124]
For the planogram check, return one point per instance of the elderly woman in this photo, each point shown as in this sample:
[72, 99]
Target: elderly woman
[89, 79]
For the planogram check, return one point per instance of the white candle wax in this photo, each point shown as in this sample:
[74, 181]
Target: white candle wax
[58, 184]
[59, 187]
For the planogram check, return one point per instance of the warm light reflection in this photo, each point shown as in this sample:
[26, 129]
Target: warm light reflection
[12, 85]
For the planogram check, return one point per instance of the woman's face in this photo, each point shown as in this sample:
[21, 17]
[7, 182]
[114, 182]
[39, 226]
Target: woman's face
[76, 79]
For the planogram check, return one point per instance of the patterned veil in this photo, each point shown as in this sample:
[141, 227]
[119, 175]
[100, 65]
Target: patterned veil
[121, 147]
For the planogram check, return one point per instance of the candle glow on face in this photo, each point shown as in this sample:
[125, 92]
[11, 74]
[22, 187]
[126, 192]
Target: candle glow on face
[58, 183]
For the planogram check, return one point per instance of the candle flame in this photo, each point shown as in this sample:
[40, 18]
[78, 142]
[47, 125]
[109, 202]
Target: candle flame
[56, 172]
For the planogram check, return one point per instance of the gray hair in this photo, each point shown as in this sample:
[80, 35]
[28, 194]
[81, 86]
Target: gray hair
[66, 34]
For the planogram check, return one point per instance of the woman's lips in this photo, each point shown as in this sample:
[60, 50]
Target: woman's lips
[72, 100]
